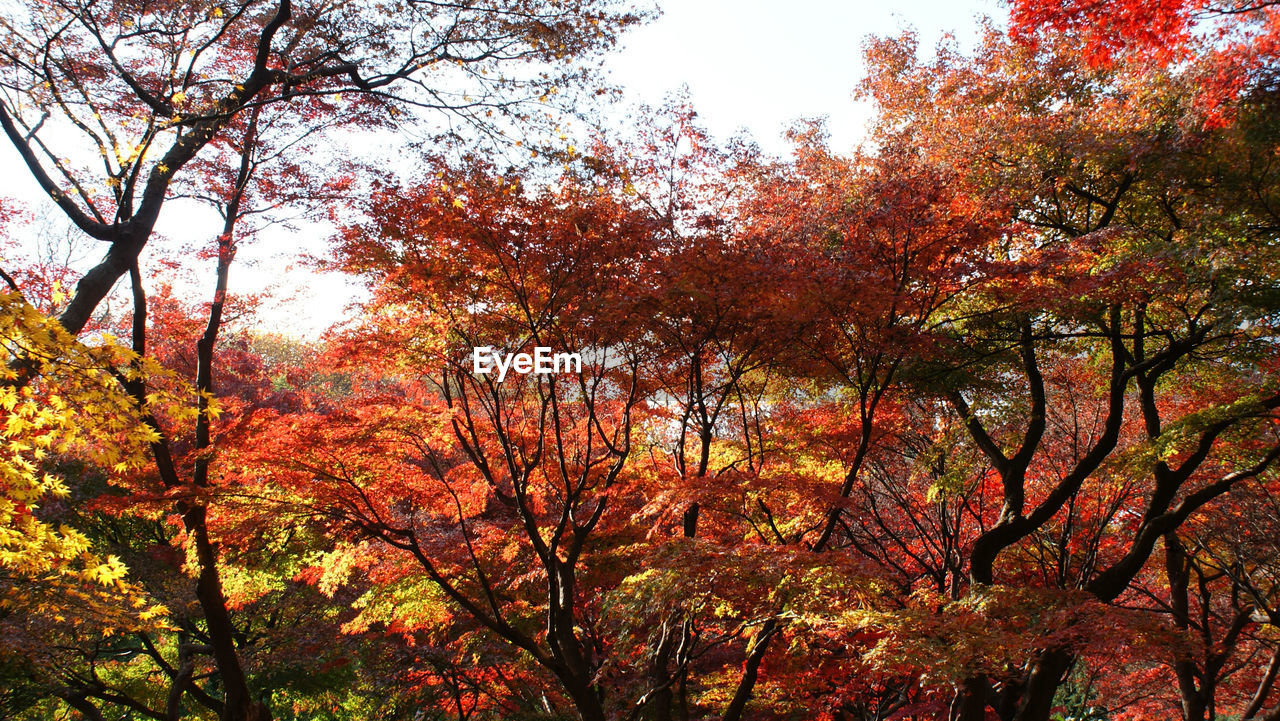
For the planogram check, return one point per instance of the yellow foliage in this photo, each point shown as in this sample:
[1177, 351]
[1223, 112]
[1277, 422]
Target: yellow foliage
[75, 404]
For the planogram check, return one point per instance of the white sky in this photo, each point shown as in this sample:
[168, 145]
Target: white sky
[761, 64]
[753, 65]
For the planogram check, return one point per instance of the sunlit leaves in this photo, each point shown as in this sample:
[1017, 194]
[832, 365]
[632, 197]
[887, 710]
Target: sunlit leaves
[77, 407]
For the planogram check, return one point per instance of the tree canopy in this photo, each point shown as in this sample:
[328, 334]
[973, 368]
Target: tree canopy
[978, 420]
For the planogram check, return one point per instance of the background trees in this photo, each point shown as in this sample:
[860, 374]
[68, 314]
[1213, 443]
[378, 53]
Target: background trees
[976, 422]
[106, 104]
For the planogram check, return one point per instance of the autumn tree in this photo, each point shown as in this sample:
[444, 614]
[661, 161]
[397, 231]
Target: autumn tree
[615, 508]
[1236, 44]
[977, 420]
[144, 88]
[1119, 252]
[147, 89]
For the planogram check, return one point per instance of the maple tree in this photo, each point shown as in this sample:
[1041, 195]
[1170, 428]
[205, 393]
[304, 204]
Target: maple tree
[1236, 44]
[1166, 29]
[147, 88]
[976, 421]
[1088, 181]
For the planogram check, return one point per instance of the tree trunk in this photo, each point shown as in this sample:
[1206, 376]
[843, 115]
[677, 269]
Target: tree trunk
[1042, 685]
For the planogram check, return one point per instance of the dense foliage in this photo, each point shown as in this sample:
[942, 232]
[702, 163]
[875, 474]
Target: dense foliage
[978, 421]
